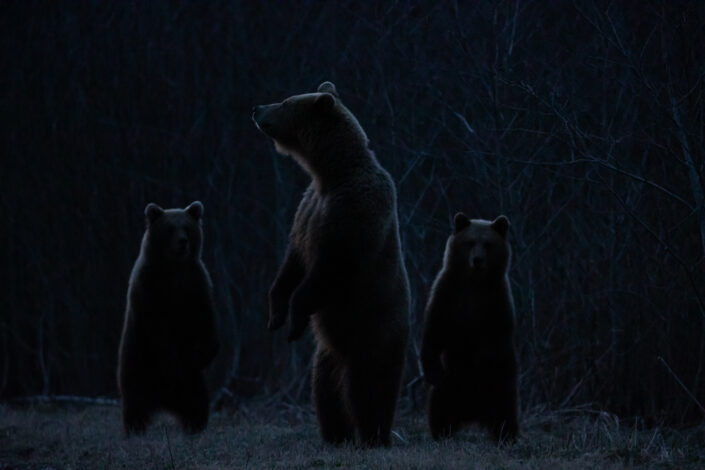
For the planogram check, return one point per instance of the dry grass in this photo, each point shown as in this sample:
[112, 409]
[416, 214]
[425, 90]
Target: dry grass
[49, 437]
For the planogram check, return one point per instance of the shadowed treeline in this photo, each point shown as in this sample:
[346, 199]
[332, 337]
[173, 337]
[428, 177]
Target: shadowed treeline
[583, 122]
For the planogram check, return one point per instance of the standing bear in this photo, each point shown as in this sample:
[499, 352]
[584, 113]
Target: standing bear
[343, 267]
[468, 351]
[169, 335]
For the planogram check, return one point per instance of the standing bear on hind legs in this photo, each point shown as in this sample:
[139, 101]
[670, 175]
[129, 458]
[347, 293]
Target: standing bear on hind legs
[169, 336]
[343, 268]
[468, 350]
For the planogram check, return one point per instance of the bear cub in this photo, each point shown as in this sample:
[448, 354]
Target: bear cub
[343, 271]
[169, 335]
[468, 354]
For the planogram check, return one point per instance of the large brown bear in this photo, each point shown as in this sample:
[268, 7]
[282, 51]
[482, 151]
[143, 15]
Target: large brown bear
[169, 334]
[343, 267]
[468, 351]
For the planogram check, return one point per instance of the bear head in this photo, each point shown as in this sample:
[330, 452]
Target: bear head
[479, 247]
[309, 125]
[291, 124]
[173, 235]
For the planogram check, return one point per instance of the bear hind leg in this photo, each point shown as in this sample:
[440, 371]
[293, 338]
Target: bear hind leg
[373, 391]
[503, 422]
[136, 416]
[190, 405]
[504, 426]
[444, 415]
[331, 410]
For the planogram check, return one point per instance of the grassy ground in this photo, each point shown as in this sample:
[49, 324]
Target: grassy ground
[50, 437]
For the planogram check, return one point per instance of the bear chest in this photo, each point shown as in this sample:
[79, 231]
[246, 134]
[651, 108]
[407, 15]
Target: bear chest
[310, 222]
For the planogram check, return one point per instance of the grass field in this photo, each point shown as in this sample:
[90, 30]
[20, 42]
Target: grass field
[68, 437]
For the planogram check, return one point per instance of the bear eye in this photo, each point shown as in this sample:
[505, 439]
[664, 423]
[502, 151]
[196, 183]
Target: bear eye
[470, 243]
[487, 245]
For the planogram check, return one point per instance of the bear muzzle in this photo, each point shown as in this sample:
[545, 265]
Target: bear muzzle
[180, 245]
[477, 266]
[259, 117]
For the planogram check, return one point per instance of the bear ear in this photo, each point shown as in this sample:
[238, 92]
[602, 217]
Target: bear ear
[501, 225]
[195, 209]
[325, 101]
[460, 222]
[152, 212]
[328, 87]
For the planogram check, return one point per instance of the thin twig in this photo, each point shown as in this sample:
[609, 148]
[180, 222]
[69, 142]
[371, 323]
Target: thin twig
[400, 437]
[688, 270]
[168, 444]
[692, 397]
[613, 168]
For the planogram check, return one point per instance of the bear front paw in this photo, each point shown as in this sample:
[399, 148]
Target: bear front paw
[275, 321]
[277, 312]
[297, 328]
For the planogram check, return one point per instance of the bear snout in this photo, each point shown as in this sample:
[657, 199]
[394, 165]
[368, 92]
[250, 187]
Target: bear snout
[478, 261]
[180, 244]
[262, 118]
[258, 113]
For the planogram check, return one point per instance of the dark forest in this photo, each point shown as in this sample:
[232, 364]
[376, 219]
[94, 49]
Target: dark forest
[583, 122]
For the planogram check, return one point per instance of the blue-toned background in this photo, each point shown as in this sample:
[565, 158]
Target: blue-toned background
[583, 122]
